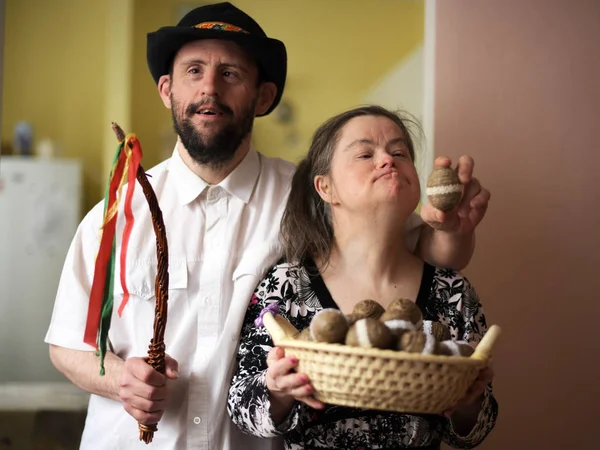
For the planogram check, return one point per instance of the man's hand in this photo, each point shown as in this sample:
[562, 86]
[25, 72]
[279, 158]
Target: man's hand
[468, 214]
[143, 390]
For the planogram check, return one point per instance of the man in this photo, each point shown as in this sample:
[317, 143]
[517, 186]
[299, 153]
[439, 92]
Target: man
[222, 203]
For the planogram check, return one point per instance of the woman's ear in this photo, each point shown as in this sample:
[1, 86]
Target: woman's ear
[324, 188]
[164, 89]
[266, 94]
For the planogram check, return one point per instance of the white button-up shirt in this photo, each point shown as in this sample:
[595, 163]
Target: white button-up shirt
[221, 241]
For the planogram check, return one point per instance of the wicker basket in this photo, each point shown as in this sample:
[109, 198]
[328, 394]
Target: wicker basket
[382, 379]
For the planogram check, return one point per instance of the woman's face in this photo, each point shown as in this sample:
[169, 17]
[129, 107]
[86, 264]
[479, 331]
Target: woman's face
[371, 169]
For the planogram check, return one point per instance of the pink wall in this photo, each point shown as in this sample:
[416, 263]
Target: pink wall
[518, 88]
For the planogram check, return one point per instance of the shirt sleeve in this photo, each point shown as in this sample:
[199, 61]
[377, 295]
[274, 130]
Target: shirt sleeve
[248, 402]
[68, 322]
[471, 325]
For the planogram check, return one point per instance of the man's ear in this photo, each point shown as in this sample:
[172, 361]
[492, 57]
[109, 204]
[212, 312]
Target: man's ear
[324, 188]
[266, 94]
[164, 89]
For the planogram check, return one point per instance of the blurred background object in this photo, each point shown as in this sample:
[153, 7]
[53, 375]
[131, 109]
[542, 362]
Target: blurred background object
[23, 139]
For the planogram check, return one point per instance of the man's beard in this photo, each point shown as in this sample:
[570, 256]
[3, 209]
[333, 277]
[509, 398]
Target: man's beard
[218, 148]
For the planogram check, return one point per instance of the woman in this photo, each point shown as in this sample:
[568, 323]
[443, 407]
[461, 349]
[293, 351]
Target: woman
[342, 231]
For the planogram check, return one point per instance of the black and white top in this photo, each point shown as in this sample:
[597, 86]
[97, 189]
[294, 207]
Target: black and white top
[445, 296]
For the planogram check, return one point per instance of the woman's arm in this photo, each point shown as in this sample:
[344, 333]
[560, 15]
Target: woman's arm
[250, 404]
[449, 239]
[446, 249]
[470, 423]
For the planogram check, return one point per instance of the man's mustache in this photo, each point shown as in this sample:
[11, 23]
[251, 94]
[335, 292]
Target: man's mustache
[193, 107]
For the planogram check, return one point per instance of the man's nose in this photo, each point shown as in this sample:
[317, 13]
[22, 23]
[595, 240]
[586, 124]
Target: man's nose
[210, 83]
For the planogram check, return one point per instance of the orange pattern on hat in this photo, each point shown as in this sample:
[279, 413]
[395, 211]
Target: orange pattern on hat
[222, 26]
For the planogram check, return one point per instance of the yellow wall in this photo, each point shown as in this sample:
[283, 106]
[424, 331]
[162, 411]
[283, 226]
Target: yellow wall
[337, 49]
[63, 65]
[53, 77]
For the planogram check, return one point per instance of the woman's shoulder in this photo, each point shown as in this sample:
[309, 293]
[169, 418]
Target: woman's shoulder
[451, 289]
[282, 280]
[449, 277]
[285, 269]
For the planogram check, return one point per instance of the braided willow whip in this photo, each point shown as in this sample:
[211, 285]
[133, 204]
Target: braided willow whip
[156, 352]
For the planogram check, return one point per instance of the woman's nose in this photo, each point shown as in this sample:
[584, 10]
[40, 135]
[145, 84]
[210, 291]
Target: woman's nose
[384, 159]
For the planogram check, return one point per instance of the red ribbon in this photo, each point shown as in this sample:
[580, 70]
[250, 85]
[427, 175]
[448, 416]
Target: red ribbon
[104, 253]
[136, 157]
[100, 284]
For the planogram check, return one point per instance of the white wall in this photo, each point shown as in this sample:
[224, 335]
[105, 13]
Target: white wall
[409, 87]
[1, 58]
[402, 87]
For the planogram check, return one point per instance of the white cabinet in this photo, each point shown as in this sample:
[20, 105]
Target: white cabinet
[39, 212]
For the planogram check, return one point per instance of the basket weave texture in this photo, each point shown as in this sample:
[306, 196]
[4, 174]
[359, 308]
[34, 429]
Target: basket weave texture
[382, 379]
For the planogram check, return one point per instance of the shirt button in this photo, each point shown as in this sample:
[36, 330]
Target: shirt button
[197, 420]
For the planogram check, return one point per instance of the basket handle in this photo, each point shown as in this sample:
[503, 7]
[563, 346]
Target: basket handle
[483, 350]
[279, 328]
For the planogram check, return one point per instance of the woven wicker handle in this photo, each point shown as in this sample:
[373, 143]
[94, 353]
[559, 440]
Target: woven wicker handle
[279, 328]
[484, 348]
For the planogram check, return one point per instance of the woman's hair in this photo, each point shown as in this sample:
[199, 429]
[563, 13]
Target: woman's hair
[306, 227]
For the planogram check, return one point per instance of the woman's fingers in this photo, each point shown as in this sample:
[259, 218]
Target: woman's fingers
[282, 379]
[477, 389]
[294, 384]
[442, 161]
[465, 169]
[281, 367]
[275, 354]
[312, 402]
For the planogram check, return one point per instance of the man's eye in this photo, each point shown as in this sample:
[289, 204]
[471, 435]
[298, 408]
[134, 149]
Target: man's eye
[365, 156]
[194, 71]
[228, 74]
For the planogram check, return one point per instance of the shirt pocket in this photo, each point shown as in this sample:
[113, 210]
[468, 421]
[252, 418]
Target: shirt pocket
[141, 279]
[131, 332]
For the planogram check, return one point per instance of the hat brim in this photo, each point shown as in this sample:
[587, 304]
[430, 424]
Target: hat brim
[270, 54]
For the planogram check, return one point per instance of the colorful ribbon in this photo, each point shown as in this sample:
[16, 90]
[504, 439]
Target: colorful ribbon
[125, 166]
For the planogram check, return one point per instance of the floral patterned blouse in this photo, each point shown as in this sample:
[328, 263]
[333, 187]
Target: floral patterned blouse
[299, 291]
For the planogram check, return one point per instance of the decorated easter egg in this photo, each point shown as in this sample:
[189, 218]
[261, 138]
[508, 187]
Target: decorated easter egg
[444, 189]
[329, 325]
[370, 333]
[368, 308]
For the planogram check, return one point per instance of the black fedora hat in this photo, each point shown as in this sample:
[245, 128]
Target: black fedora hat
[219, 21]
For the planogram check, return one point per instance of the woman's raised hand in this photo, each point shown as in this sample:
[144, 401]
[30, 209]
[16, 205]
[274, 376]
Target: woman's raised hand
[472, 207]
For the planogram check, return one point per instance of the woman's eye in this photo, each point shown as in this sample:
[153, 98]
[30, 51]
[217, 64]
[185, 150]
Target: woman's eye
[364, 156]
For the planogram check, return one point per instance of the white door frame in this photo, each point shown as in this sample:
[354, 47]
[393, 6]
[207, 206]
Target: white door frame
[428, 89]
[2, 16]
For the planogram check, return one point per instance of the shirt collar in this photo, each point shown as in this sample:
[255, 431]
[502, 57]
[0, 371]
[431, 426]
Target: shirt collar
[239, 183]
[187, 184]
